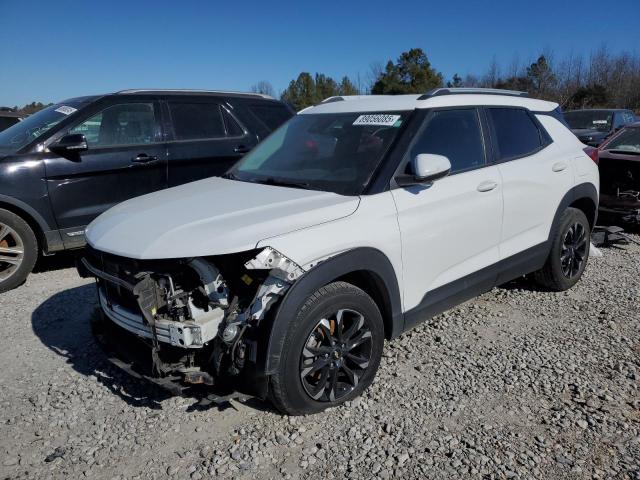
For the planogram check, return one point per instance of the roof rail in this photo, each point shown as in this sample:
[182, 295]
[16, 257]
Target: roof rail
[436, 92]
[186, 90]
[340, 98]
[333, 99]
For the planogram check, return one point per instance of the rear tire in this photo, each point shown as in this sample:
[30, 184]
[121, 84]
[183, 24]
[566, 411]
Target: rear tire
[569, 252]
[332, 351]
[18, 250]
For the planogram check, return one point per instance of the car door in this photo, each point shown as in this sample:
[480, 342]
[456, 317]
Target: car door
[206, 139]
[126, 157]
[450, 229]
[536, 174]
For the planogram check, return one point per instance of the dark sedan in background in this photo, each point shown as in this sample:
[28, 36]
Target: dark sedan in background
[620, 174]
[593, 126]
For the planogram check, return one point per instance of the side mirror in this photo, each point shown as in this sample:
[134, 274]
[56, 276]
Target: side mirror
[70, 144]
[427, 167]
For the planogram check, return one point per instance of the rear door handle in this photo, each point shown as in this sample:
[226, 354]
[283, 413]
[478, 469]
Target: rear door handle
[241, 149]
[143, 158]
[487, 186]
[559, 166]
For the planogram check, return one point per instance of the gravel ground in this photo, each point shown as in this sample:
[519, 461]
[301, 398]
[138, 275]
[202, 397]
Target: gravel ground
[518, 383]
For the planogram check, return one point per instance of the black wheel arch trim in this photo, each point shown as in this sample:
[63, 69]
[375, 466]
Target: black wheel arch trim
[47, 233]
[581, 191]
[369, 260]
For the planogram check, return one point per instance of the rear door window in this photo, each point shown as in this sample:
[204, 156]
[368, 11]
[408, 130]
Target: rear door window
[196, 120]
[516, 134]
[271, 115]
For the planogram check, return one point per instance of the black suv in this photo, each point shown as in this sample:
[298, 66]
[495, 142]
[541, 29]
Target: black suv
[63, 166]
[593, 126]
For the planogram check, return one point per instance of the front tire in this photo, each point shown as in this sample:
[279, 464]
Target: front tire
[18, 250]
[569, 252]
[332, 351]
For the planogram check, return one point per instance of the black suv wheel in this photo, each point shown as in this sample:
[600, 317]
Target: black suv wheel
[332, 351]
[18, 250]
[569, 252]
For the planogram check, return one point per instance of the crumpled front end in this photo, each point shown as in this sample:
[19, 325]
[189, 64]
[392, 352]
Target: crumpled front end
[198, 318]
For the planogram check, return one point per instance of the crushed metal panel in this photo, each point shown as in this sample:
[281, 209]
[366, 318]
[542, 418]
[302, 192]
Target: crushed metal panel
[280, 265]
[283, 272]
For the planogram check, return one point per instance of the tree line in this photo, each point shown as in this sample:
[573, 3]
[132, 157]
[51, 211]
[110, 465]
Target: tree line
[29, 108]
[601, 79]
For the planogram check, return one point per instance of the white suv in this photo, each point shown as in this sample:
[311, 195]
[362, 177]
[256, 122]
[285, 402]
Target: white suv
[353, 222]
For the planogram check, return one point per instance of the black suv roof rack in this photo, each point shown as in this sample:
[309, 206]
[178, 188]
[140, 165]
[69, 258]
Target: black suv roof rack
[186, 91]
[436, 92]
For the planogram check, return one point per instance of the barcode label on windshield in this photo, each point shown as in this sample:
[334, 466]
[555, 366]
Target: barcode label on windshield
[66, 110]
[377, 119]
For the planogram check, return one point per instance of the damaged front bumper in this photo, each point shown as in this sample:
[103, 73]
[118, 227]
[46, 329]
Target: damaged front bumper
[198, 317]
[194, 334]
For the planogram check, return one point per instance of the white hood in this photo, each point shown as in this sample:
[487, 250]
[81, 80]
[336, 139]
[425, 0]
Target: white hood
[211, 217]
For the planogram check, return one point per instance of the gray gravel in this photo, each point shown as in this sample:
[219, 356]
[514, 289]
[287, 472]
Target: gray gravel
[515, 384]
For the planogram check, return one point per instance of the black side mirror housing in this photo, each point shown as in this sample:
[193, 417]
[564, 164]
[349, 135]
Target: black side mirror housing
[73, 143]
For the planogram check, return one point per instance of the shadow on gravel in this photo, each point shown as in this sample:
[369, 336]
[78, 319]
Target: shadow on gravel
[59, 261]
[62, 323]
[523, 283]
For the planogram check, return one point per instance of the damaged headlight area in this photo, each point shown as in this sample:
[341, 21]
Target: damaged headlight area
[196, 315]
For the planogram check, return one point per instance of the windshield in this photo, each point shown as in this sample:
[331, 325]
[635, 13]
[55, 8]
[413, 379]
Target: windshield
[330, 152]
[590, 120]
[627, 141]
[24, 132]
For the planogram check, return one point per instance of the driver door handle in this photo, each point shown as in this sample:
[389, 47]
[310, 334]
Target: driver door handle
[242, 149]
[559, 166]
[487, 186]
[143, 158]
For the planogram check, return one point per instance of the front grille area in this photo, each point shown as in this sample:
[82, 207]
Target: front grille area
[123, 268]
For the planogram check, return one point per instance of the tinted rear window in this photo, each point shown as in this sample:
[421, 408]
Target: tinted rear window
[193, 121]
[272, 115]
[516, 133]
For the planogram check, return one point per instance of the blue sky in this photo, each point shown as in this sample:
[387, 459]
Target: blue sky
[51, 50]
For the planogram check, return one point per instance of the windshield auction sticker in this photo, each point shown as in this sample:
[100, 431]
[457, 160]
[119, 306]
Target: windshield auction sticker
[377, 119]
[66, 110]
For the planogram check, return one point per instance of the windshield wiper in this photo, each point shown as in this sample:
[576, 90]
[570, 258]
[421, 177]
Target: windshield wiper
[281, 182]
[229, 176]
[623, 152]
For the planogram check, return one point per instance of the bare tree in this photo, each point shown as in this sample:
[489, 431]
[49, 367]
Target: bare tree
[376, 69]
[492, 77]
[264, 87]
[602, 78]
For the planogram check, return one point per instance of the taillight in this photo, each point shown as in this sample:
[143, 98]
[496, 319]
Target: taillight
[592, 153]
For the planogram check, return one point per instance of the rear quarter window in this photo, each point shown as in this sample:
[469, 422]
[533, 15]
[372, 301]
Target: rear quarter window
[271, 115]
[516, 133]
